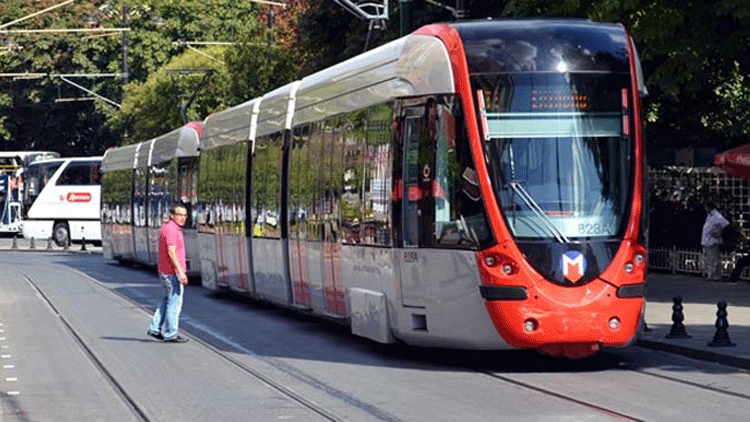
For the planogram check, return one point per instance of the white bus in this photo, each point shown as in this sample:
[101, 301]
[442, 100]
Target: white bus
[61, 200]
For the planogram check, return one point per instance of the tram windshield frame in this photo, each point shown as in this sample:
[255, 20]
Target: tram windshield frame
[559, 151]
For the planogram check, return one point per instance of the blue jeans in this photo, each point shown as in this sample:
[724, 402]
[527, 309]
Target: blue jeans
[167, 314]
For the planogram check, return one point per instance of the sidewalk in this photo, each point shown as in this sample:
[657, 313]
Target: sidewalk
[20, 244]
[699, 309]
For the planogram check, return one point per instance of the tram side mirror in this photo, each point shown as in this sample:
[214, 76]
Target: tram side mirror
[470, 185]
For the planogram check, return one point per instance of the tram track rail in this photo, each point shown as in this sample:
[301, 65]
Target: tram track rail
[268, 380]
[548, 392]
[606, 360]
[610, 357]
[611, 361]
[98, 364]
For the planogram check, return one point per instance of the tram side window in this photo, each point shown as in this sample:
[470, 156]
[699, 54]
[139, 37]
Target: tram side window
[443, 207]
[139, 197]
[267, 186]
[377, 177]
[187, 187]
[222, 197]
[458, 212]
[300, 183]
[351, 196]
[465, 192]
[315, 208]
[208, 195]
[158, 201]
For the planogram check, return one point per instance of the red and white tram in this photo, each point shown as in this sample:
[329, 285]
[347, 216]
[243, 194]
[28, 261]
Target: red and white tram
[471, 185]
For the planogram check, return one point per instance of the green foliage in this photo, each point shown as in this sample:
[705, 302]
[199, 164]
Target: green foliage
[153, 107]
[694, 56]
[257, 68]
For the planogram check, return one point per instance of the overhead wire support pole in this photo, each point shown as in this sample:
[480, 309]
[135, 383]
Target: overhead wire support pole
[374, 11]
[184, 107]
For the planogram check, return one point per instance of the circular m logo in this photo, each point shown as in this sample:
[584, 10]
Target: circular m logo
[573, 265]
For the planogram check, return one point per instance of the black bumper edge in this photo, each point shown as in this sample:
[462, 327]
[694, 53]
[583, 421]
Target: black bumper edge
[503, 292]
[632, 290]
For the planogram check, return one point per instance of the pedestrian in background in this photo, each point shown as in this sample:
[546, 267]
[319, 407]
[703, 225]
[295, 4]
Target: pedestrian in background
[711, 239]
[171, 268]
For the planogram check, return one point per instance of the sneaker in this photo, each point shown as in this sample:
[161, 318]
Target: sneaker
[176, 339]
[157, 336]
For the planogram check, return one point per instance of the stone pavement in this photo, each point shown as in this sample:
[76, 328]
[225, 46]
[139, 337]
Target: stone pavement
[699, 303]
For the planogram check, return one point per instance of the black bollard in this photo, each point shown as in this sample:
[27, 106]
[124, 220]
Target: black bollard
[83, 244]
[31, 243]
[49, 243]
[721, 337]
[15, 242]
[678, 328]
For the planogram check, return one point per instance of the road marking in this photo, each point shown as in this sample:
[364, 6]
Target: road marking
[11, 379]
[2, 338]
[4, 356]
[8, 366]
[13, 393]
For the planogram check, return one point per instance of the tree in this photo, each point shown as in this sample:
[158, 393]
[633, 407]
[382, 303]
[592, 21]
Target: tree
[695, 56]
[28, 108]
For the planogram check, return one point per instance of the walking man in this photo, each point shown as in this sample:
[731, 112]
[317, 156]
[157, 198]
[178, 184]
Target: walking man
[711, 239]
[172, 275]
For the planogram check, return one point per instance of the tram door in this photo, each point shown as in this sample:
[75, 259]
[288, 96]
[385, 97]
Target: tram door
[417, 182]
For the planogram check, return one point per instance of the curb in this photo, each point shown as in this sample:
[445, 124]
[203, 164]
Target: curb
[704, 355]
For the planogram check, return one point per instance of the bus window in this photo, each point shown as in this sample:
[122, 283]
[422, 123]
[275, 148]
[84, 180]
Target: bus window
[37, 175]
[80, 173]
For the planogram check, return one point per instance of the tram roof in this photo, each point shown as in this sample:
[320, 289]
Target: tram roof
[410, 66]
[120, 158]
[182, 142]
[228, 126]
[413, 65]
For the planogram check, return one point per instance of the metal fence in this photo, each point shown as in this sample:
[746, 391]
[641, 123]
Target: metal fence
[693, 185]
[690, 262]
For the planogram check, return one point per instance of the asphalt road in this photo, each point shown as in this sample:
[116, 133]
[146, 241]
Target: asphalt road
[74, 332]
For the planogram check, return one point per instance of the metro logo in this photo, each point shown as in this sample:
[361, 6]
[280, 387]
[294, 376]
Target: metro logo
[79, 197]
[573, 265]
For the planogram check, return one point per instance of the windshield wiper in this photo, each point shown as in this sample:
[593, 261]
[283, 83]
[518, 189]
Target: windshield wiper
[529, 201]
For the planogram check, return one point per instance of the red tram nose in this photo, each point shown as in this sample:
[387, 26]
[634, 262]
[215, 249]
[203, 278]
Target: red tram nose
[572, 321]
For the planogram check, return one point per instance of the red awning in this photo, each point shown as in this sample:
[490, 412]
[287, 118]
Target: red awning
[735, 161]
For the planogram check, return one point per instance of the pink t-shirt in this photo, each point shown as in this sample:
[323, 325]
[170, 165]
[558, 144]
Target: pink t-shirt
[171, 234]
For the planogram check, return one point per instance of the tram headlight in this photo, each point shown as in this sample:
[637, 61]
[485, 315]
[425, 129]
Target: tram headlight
[639, 260]
[629, 268]
[530, 325]
[614, 323]
[505, 263]
[490, 260]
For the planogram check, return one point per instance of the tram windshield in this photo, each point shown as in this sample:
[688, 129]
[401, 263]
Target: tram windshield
[559, 151]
